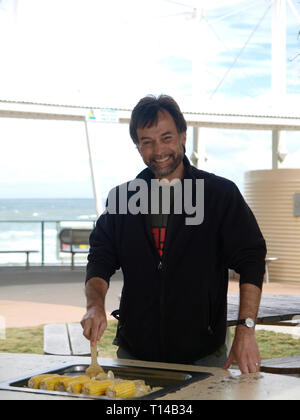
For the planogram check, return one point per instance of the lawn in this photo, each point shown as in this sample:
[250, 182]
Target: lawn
[30, 340]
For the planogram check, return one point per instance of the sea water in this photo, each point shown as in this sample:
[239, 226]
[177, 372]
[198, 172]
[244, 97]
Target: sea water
[21, 227]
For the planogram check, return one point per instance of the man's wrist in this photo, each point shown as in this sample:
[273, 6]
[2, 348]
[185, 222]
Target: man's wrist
[96, 306]
[248, 322]
[242, 329]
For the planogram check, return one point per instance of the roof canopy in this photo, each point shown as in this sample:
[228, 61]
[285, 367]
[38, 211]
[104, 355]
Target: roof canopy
[202, 119]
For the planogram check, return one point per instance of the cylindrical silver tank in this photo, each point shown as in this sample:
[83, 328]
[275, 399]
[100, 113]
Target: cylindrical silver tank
[270, 194]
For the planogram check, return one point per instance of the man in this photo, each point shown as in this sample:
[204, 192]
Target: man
[174, 299]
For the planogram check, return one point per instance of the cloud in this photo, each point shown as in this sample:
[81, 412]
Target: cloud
[111, 54]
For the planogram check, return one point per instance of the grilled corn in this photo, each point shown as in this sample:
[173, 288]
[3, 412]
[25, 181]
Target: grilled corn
[124, 389]
[59, 384]
[64, 383]
[75, 387]
[35, 381]
[51, 384]
[96, 387]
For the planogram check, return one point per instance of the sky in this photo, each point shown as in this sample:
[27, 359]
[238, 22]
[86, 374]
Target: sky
[112, 53]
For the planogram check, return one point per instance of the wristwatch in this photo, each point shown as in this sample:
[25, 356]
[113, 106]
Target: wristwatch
[248, 322]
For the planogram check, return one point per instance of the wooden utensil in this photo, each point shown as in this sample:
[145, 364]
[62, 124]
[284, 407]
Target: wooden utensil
[94, 369]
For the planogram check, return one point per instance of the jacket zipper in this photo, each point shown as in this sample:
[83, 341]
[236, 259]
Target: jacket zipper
[161, 309]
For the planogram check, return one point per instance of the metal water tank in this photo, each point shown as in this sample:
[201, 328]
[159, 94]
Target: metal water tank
[274, 197]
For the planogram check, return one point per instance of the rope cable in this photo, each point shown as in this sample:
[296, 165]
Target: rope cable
[241, 51]
[235, 12]
[227, 48]
[178, 4]
[294, 10]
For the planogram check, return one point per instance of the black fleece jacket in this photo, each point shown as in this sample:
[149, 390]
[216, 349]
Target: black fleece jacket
[175, 310]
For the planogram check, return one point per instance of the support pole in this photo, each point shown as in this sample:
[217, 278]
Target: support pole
[199, 36]
[194, 156]
[43, 242]
[198, 156]
[96, 190]
[275, 145]
[278, 71]
[279, 50]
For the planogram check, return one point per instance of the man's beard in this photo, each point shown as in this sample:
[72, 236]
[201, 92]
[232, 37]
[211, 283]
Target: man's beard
[173, 163]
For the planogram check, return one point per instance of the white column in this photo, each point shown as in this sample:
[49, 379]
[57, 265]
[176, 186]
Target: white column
[275, 144]
[198, 156]
[278, 75]
[95, 182]
[279, 49]
[199, 45]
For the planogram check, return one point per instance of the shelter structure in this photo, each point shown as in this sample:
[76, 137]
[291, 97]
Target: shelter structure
[222, 120]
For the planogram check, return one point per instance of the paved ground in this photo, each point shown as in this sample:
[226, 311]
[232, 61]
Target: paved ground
[44, 295]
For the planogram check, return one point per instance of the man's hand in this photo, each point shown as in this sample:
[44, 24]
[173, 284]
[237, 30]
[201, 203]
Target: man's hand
[94, 324]
[244, 351]
[94, 321]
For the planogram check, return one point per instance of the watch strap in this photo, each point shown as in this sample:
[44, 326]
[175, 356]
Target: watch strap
[248, 322]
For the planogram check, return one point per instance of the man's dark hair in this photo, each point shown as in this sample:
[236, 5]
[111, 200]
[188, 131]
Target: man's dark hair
[145, 113]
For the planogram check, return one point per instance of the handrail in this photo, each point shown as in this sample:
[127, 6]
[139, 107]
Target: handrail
[42, 222]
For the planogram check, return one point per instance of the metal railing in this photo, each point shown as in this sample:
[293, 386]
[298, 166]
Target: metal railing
[43, 223]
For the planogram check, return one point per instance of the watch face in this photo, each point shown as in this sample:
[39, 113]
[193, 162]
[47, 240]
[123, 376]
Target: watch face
[249, 323]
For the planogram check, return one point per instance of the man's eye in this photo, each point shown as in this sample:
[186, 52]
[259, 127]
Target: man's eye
[146, 143]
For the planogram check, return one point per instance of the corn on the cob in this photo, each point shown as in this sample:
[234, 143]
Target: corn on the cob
[35, 381]
[75, 387]
[64, 383]
[96, 387]
[51, 384]
[59, 384]
[124, 389]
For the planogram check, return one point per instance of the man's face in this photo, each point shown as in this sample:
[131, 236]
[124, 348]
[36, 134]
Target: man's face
[161, 147]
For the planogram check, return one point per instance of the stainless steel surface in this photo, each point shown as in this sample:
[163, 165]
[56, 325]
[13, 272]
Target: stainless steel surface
[168, 380]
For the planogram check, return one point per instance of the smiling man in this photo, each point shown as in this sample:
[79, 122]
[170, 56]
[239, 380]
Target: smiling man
[174, 299]
[160, 142]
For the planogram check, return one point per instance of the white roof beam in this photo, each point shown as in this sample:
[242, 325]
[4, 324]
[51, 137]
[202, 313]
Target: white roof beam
[40, 115]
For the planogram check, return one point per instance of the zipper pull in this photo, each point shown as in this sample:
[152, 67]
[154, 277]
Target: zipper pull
[159, 267]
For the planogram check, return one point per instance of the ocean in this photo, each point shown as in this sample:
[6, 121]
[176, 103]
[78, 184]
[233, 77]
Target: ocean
[21, 227]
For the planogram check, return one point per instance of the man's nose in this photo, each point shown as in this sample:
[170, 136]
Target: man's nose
[158, 148]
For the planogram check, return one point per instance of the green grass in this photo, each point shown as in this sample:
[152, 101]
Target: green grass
[23, 340]
[272, 345]
[106, 348]
[30, 340]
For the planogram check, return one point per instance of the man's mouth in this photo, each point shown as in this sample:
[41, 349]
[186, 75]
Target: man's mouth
[162, 160]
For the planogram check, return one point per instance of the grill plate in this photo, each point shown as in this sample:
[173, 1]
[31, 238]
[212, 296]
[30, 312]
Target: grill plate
[169, 380]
